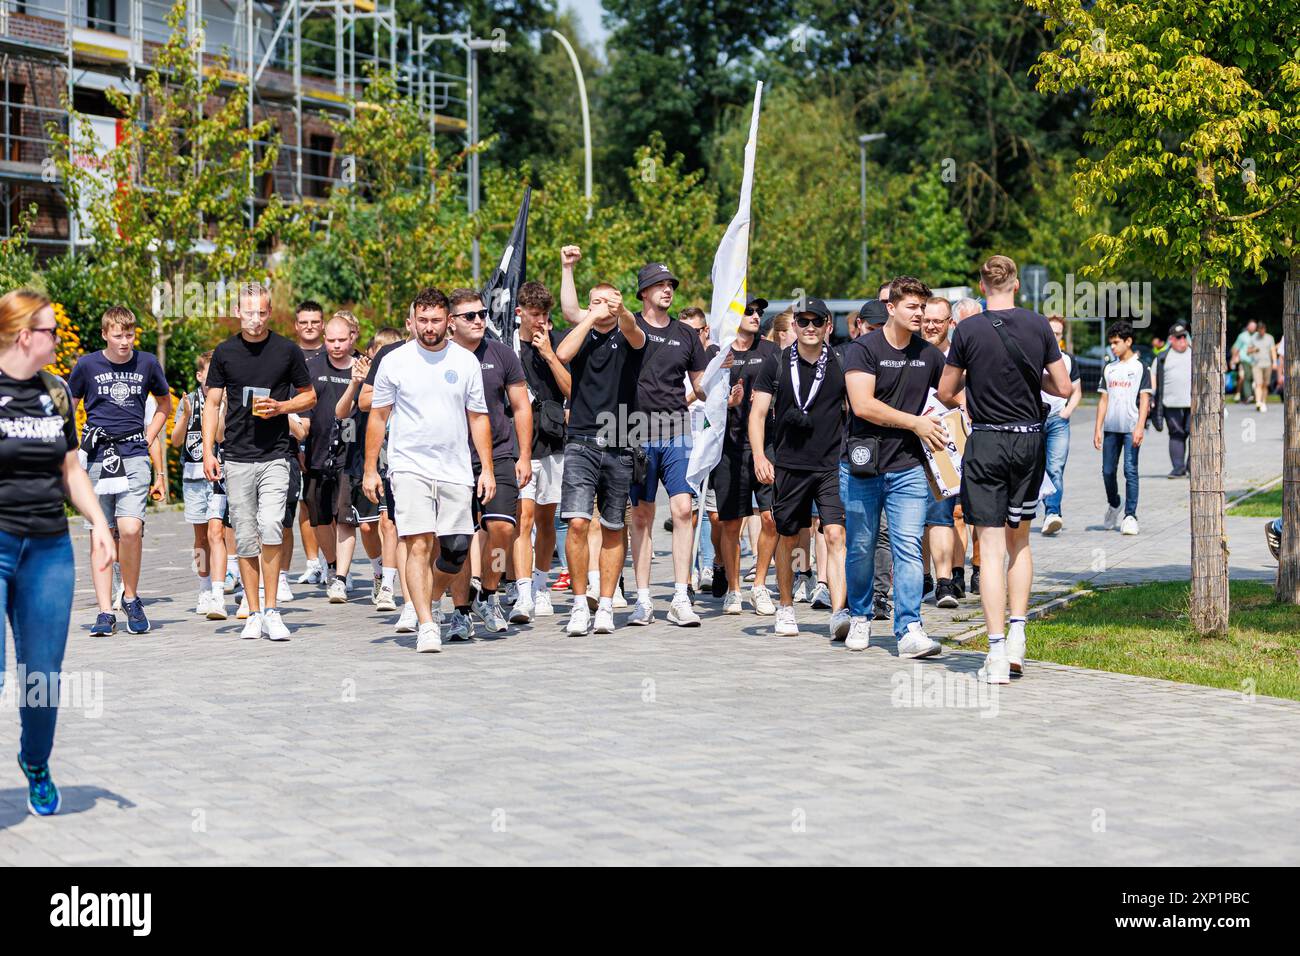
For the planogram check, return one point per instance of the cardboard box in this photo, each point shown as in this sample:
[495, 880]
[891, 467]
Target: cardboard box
[943, 469]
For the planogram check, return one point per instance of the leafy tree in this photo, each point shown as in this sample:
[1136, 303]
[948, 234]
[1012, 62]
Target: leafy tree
[1178, 101]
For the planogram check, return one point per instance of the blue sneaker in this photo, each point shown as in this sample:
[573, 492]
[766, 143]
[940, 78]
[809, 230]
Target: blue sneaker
[43, 797]
[104, 625]
[136, 622]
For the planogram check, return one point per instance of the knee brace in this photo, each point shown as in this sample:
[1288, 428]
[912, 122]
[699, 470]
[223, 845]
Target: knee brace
[452, 552]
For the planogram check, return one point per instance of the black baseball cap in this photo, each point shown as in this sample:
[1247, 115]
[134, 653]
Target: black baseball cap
[1177, 329]
[873, 312]
[814, 307]
[756, 302]
[651, 273]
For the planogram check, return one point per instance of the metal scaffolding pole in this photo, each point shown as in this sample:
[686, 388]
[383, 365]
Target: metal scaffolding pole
[252, 146]
[297, 92]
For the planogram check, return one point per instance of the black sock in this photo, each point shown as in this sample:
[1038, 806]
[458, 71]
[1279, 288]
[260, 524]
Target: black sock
[463, 609]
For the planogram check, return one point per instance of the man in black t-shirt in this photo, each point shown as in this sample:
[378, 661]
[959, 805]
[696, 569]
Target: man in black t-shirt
[511, 418]
[888, 375]
[548, 383]
[603, 350]
[262, 378]
[309, 330]
[1003, 357]
[803, 387]
[736, 485]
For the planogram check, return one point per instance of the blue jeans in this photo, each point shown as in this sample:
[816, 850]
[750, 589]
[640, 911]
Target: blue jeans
[1112, 443]
[903, 495]
[36, 581]
[1057, 440]
[704, 558]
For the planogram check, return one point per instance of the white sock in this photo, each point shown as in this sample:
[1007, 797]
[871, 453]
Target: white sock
[219, 591]
[321, 561]
[232, 566]
[284, 577]
[205, 583]
[389, 576]
[593, 580]
[376, 566]
[642, 595]
[541, 579]
[997, 645]
[525, 586]
[680, 593]
[606, 604]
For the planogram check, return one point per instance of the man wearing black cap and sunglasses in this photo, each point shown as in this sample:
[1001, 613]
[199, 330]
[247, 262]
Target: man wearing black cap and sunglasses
[734, 480]
[804, 387]
[672, 352]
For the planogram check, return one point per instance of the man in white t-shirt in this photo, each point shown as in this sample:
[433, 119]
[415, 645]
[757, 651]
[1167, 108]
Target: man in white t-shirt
[1125, 389]
[432, 389]
[1172, 399]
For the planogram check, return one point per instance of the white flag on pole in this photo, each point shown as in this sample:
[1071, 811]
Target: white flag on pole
[726, 309]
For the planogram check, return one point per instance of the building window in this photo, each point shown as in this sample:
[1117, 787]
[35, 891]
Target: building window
[13, 120]
[319, 165]
[102, 15]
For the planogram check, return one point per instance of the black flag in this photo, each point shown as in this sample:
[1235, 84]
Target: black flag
[501, 293]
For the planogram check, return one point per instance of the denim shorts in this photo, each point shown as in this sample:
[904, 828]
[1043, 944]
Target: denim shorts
[939, 514]
[595, 477]
[202, 504]
[665, 463]
[130, 503]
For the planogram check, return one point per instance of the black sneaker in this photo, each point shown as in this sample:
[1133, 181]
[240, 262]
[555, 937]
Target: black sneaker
[927, 585]
[1274, 541]
[136, 622]
[959, 581]
[719, 588]
[884, 610]
[974, 580]
[945, 595]
[104, 625]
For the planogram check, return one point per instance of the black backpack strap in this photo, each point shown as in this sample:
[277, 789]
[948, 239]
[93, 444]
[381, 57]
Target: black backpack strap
[1033, 379]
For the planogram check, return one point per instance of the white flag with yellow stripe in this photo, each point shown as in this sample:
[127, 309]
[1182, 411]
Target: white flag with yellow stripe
[730, 264]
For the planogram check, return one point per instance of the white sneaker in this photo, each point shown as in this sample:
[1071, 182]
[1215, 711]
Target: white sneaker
[1130, 525]
[731, 603]
[619, 600]
[1111, 521]
[542, 606]
[272, 626]
[459, 627]
[682, 614]
[801, 589]
[231, 584]
[840, 624]
[384, 600]
[283, 593]
[579, 620]
[786, 625]
[253, 628]
[337, 592]
[216, 607]
[311, 576]
[376, 586]
[915, 643]
[1016, 649]
[510, 594]
[429, 640]
[1052, 524]
[407, 622]
[642, 615]
[489, 612]
[604, 623]
[996, 669]
[522, 612]
[761, 598]
[242, 613]
[859, 638]
[821, 597]
[204, 602]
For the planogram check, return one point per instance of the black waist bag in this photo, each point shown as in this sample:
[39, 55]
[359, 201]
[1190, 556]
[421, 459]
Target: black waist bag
[864, 456]
[550, 419]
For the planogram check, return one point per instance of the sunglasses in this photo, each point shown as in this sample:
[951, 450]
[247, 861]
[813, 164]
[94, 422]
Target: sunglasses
[816, 321]
[52, 331]
[754, 312]
[479, 316]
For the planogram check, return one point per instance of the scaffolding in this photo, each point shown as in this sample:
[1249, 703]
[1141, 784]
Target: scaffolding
[297, 71]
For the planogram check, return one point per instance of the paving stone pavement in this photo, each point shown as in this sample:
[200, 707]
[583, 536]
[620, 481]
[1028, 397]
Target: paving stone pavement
[720, 744]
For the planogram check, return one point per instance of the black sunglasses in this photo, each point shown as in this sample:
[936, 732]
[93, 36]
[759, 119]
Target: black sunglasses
[481, 315]
[816, 321]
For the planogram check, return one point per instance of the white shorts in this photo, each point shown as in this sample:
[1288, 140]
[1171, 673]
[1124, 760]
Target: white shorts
[548, 477]
[427, 506]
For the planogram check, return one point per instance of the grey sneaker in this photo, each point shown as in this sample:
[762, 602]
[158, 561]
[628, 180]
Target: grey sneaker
[459, 627]
[683, 615]
[821, 597]
[384, 600]
[489, 612]
[642, 614]
[761, 598]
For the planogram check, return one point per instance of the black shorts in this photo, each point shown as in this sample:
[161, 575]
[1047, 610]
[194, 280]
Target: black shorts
[1001, 475]
[337, 496]
[797, 491]
[504, 504]
[737, 488]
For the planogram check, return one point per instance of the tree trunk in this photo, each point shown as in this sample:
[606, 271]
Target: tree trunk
[1288, 576]
[1209, 604]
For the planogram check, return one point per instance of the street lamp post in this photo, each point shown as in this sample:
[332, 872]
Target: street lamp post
[586, 116]
[863, 140]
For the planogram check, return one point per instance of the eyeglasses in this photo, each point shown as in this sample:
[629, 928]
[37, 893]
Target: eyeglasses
[479, 316]
[816, 321]
[51, 330]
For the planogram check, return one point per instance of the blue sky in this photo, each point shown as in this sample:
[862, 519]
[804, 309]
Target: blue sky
[588, 12]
